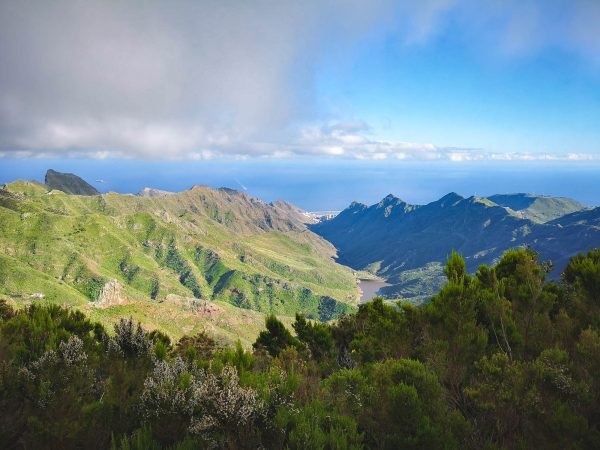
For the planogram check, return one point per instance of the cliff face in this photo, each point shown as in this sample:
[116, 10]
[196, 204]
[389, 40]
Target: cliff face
[68, 183]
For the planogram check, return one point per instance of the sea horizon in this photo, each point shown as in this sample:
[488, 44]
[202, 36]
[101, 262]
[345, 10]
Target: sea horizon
[330, 185]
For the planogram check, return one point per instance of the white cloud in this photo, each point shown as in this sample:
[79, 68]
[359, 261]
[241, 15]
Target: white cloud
[335, 140]
[207, 79]
[153, 79]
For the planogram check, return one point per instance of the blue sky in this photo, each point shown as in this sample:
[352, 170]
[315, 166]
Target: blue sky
[305, 84]
[451, 95]
[451, 90]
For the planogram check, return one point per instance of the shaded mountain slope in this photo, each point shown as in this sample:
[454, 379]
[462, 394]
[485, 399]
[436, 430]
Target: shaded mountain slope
[588, 217]
[537, 208]
[407, 244]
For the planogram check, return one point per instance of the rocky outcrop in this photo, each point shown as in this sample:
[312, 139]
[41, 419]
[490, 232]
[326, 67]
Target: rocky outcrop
[68, 183]
[111, 294]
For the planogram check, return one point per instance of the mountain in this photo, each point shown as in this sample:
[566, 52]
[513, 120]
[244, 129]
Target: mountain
[68, 183]
[293, 211]
[198, 259]
[408, 244]
[537, 208]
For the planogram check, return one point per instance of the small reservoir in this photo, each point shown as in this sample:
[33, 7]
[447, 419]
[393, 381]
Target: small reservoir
[370, 288]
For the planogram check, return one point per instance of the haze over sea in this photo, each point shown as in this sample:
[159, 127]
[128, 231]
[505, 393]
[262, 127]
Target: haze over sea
[330, 185]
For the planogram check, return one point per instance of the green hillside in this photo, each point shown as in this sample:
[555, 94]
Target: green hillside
[221, 248]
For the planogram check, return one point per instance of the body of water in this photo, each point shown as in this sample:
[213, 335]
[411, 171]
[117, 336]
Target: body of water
[370, 288]
[329, 184]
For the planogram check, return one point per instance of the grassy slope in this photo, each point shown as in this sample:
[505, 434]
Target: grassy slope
[200, 243]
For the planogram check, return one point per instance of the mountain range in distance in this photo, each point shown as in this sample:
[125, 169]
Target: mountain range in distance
[220, 260]
[408, 244]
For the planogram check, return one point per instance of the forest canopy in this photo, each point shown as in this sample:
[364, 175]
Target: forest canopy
[502, 358]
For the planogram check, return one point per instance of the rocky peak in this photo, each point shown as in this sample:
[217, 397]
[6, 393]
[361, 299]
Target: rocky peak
[68, 183]
[390, 199]
[357, 205]
[450, 199]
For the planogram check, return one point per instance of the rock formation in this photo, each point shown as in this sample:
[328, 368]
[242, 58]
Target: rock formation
[68, 183]
[111, 294]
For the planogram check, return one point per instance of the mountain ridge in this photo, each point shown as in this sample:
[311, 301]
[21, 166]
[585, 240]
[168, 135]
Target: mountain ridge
[201, 245]
[406, 243]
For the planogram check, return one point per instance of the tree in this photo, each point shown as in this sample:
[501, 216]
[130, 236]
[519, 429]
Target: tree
[532, 299]
[456, 269]
[130, 340]
[582, 288]
[399, 404]
[316, 336]
[377, 331]
[275, 338]
[200, 345]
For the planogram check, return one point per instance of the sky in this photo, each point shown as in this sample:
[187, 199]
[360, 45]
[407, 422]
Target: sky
[316, 88]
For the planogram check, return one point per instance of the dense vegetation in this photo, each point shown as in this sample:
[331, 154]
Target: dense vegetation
[501, 359]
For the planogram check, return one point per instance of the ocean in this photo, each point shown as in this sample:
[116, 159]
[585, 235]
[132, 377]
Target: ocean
[330, 184]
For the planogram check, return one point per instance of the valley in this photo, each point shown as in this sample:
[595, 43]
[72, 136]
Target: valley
[171, 307]
[173, 256]
[219, 260]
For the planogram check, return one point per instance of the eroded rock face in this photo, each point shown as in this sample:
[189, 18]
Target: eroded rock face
[111, 294]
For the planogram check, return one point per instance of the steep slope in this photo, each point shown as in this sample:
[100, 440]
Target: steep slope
[394, 236]
[563, 237]
[68, 183]
[408, 244]
[589, 217]
[293, 211]
[202, 245]
[537, 208]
